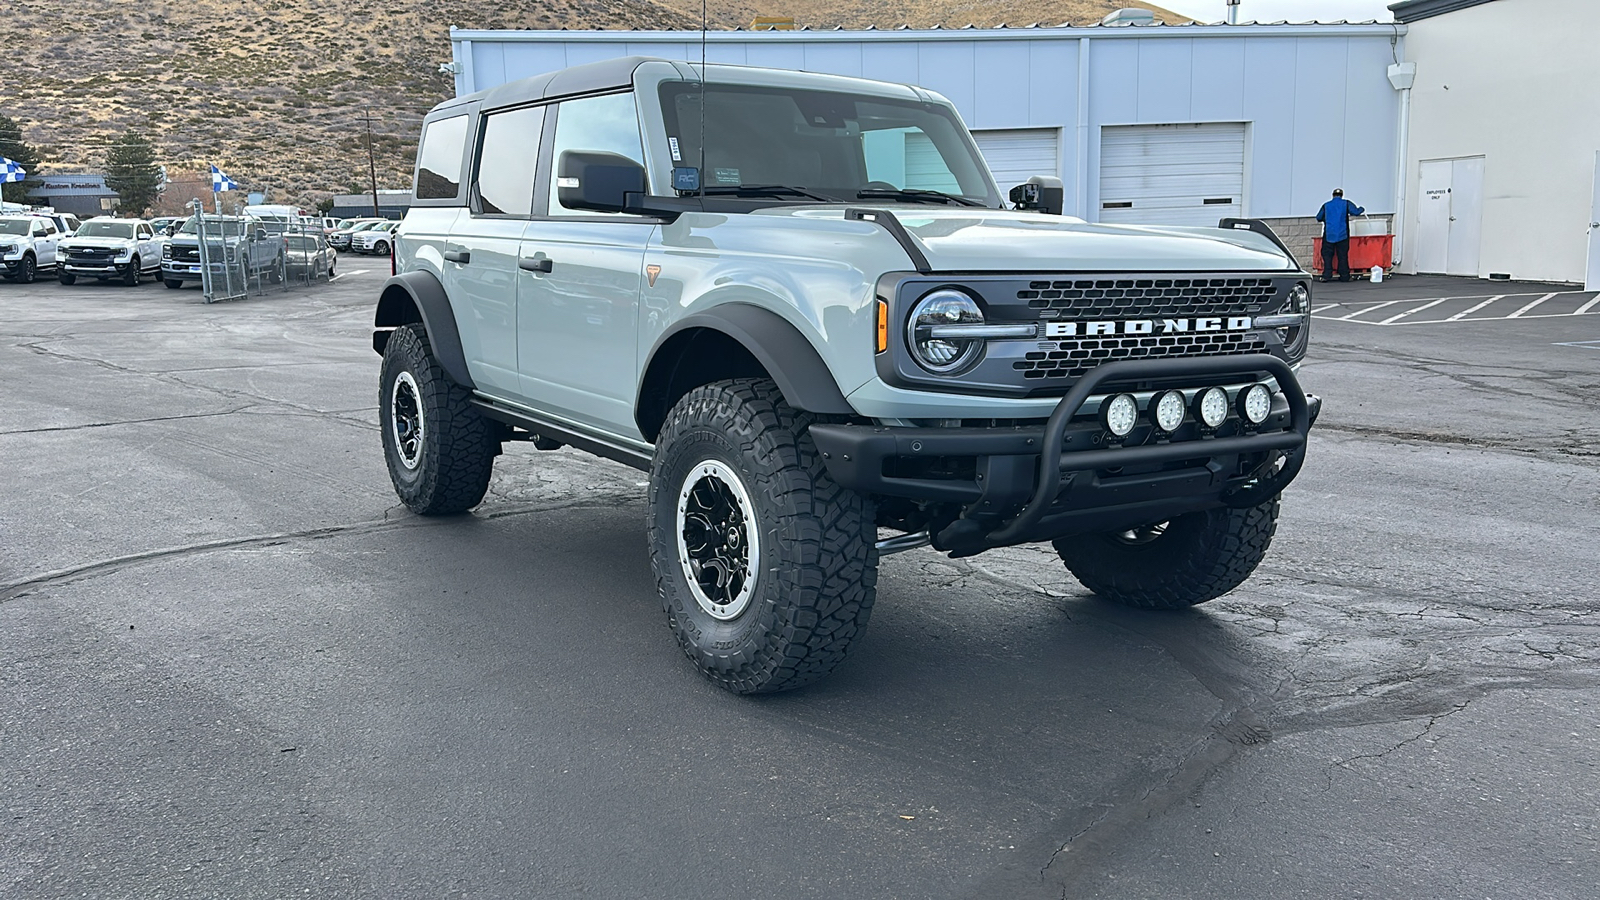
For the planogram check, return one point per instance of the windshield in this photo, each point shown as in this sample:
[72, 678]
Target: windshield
[215, 227]
[106, 229]
[14, 226]
[836, 145]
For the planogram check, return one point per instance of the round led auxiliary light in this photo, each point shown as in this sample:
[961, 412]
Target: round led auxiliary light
[1119, 414]
[1211, 407]
[1166, 410]
[1255, 403]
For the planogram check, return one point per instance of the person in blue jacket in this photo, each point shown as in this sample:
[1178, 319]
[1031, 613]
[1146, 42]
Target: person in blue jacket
[1335, 218]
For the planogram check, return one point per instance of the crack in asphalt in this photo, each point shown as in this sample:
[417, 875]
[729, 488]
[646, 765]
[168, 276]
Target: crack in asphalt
[1426, 729]
[151, 420]
[14, 590]
[38, 347]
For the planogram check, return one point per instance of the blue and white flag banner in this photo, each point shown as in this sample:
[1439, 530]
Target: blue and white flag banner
[10, 171]
[221, 182]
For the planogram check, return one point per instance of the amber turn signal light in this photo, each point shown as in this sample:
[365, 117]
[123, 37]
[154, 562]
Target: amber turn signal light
[883, 326]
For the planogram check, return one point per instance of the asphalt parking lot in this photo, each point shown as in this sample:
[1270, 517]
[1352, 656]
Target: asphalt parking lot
[233, 666]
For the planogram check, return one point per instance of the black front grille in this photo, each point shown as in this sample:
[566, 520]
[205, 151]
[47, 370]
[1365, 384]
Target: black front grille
[1146, 297]
[186, 254]
[91, 255]
[1072, 358]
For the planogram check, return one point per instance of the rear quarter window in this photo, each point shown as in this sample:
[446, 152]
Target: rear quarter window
[439, 159]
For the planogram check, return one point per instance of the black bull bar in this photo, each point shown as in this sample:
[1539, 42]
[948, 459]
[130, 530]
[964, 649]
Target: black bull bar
[1032, 467]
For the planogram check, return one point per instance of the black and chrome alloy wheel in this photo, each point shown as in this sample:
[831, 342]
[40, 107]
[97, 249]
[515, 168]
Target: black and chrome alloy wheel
[719, 546]
[407, 422]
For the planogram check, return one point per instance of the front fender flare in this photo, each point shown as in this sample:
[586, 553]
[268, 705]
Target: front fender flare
[419, 297]
[781, 349]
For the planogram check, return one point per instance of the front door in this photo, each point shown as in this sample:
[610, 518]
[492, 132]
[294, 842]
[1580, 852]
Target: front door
[1450, 216]
[578, 315]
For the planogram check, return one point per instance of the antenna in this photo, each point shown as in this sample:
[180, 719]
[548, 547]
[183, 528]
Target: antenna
[705, 84]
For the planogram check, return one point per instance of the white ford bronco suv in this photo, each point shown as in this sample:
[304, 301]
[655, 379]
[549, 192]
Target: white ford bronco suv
[800, 302]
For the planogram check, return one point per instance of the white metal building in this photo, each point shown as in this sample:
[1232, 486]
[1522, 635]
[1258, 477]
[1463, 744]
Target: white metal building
[1168, 124]
[1503, 158]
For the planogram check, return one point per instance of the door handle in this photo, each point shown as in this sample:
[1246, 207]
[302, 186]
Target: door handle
[458, 256]
[536, 264]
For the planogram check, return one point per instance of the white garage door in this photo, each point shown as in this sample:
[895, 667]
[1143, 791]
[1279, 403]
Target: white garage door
[1016, 155]
[1171, 174]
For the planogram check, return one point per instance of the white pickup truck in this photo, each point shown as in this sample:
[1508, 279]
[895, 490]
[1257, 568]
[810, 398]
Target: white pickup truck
[27, 244]
[104, 247]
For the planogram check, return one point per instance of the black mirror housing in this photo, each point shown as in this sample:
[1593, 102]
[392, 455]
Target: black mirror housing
[1041, 192]
[598, 181]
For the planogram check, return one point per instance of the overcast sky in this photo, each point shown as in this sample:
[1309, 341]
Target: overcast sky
[1281, 10]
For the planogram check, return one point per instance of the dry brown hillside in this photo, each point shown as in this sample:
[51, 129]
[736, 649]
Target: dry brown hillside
[887, 14]
[273, 91]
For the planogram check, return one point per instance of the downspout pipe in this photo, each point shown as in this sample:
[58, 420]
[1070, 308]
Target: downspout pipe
[1401, 76]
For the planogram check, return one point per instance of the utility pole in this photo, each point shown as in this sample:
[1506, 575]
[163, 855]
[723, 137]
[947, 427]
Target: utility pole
[372, 168]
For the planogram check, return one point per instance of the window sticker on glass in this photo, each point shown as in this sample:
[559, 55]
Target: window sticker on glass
[673, 143]
[726, 176]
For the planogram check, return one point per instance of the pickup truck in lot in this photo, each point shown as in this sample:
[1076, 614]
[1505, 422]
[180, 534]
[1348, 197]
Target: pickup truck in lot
[237, 247]
[106, 247]
[27, 246]
[801, 303]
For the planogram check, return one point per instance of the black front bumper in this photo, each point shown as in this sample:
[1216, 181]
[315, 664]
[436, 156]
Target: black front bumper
[1038, 482]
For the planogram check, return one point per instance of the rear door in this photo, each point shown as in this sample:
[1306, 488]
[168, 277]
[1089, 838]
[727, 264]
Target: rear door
[480, 256]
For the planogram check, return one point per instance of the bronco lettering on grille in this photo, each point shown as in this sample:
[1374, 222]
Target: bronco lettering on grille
[1146, 326]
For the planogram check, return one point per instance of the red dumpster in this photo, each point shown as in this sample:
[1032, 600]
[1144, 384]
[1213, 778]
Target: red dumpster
[1366, 251]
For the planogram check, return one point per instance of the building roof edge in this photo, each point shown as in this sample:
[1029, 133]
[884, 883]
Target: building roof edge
[1412, 10]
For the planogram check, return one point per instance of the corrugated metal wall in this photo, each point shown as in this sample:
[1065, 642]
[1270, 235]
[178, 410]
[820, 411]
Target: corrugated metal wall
[1318, 105]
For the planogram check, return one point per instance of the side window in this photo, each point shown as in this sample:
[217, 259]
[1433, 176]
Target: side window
[145, 233]
[907, 158]
[506, 160]
[608, 124]
[439, 159]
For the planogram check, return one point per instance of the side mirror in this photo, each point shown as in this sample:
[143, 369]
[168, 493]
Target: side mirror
[597, 181]
[1041, 192]
[261, 234]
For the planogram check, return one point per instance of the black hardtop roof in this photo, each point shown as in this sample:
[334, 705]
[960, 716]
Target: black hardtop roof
[608, 74]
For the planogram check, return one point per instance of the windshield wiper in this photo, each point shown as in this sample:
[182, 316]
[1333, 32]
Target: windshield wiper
[914, 194]
[764, 190]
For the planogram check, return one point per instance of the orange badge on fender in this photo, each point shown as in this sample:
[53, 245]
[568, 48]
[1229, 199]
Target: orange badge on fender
[651, 271]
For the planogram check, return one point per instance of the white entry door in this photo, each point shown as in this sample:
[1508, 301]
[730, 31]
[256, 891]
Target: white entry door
[1591, 281]
[1450, 216]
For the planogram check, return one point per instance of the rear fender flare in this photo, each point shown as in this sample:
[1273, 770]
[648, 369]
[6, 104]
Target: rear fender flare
[419, 297]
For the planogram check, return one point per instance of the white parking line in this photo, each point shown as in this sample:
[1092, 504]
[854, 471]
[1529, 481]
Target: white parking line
[1375, 306]
[1586, 345]
[1462, 315]
[1398, 316]
[1322, 308]
[1518, 313]
[1587, 306]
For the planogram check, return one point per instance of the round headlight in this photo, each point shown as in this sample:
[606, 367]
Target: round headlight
[1211, 407]
[1298, 303]
[943, 355]
[1255, 403]
[1119, 414]
[1166, 410]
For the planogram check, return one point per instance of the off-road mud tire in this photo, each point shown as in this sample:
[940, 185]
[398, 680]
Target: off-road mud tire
[816, 579]
[455, 455]
[1199, 557]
